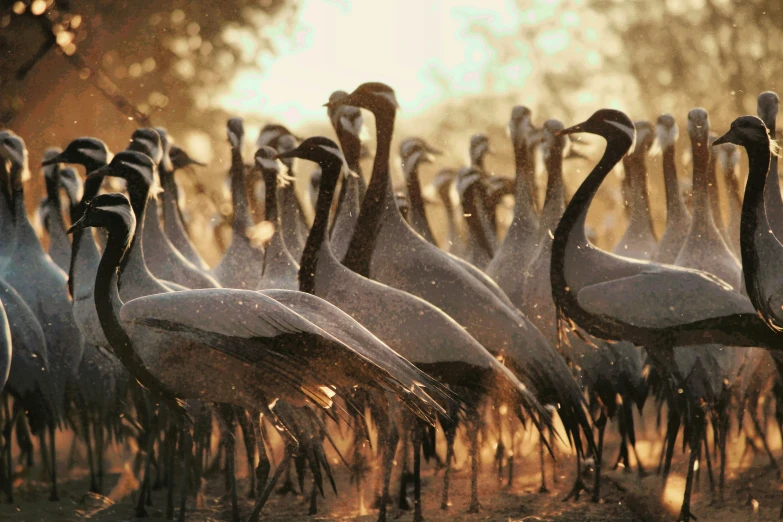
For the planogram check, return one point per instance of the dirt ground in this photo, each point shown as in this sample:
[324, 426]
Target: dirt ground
[752, 493]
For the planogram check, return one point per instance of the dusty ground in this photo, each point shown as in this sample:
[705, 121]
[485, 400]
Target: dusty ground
[752, 493]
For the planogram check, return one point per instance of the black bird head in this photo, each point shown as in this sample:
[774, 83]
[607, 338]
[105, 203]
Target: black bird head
[110, 211]
[767, 108]
[610, 124]
[479, 147]
[317, 149]
[92, 153]
[698, 124]
[180, 159]
[130, 165]
[147, 140]
[746, 131]
[372, 96]
[415, 151]
[236, 132]
[666, 131]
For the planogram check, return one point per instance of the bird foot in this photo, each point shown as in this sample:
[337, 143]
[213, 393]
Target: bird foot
[54, 497]
[475, 507]
[579, 486]
[543, 489]
[686, 515]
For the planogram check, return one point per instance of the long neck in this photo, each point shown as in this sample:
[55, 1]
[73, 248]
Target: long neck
[270, 200]
[712, 185]
[238, 193]
[554, 199]
[376, 200]
[25, 235]
[108, 305]
[171, 211]
[418, 216]
[476, 220]
[570, 234]
[139, 195]
[83, 245]
[523, 194]
[318, 232]
[754, 225]
[702, 211]
[675, 207]
[636, 170]
[57, 236]
[352, 148]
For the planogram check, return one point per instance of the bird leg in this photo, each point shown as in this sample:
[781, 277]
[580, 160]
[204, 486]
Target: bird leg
[392, 440]
[187, 448]
[450, 432]
[500, 451]
[171, 443]
[99, 448]
[542, 458]
[579, 484]
[227, 428]
[313, 510]
[141, 511]
[708, 460]
[248, 435]
[763, 434]
[723, 431]
[263, 468]
[696, 436]
[405, 475]
[417, 441]
[24, 438]
[53, 496]
[473, 426]
[555, 479]
[672, 429]
[86, 427]
[291, 448]
[601, 425]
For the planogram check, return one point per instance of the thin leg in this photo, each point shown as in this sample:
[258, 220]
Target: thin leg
[264, 467]
[53, 497]
[187, 448]
[90, 462]
[708, 460]
[473, 433]
[393, 439]
[685, 513]
[542, 458]
[141, 511]
[417, 516]
[450, 432]
[99, 449]
[313, 499]
[402, 499]
[672, 429]
[500, 452]
[579, 484]
[171, 442]
[290, 449]
[763, 434]
[226, 419]
[249, 437]
[601, 425]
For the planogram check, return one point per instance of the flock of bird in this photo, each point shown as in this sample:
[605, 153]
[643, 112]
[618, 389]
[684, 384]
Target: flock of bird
[359, 318]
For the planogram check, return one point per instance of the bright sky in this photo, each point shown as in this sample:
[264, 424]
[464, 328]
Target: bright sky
[422, 48]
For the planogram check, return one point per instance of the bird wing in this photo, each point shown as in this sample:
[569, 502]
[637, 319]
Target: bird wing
[659, 297]
[259, 330]
[349, 331]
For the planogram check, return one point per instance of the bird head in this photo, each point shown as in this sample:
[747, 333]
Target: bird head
[415, 151]
[165, 145]
[13, 151]
[72, 184]
[520, 126]
[666, 131]
[727, 155]
[767, 108]
[236, 132]
[645, 138]
[375, 97]
[467, 177]
[698, 124]
[92, 153]
[51, 170]
[147, 140]
[271, 168]
[181, 159]
[130, 165]
[321, 150]
[551, 140]
[610, 124]
[110, 211]
[479, 147]
[442, 183]
[746, 131]
[271, 133]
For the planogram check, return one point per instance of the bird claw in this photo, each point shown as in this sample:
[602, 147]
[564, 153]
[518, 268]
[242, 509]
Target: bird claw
[686, 515]
[579, 486]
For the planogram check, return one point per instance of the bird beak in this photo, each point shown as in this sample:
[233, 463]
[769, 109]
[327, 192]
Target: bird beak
[432, 150]
[54, 159]
[81, 224]
[287, 154]
[580, 127]
[345, 100]
[100, 173]
[191, 161]
[726, 138]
